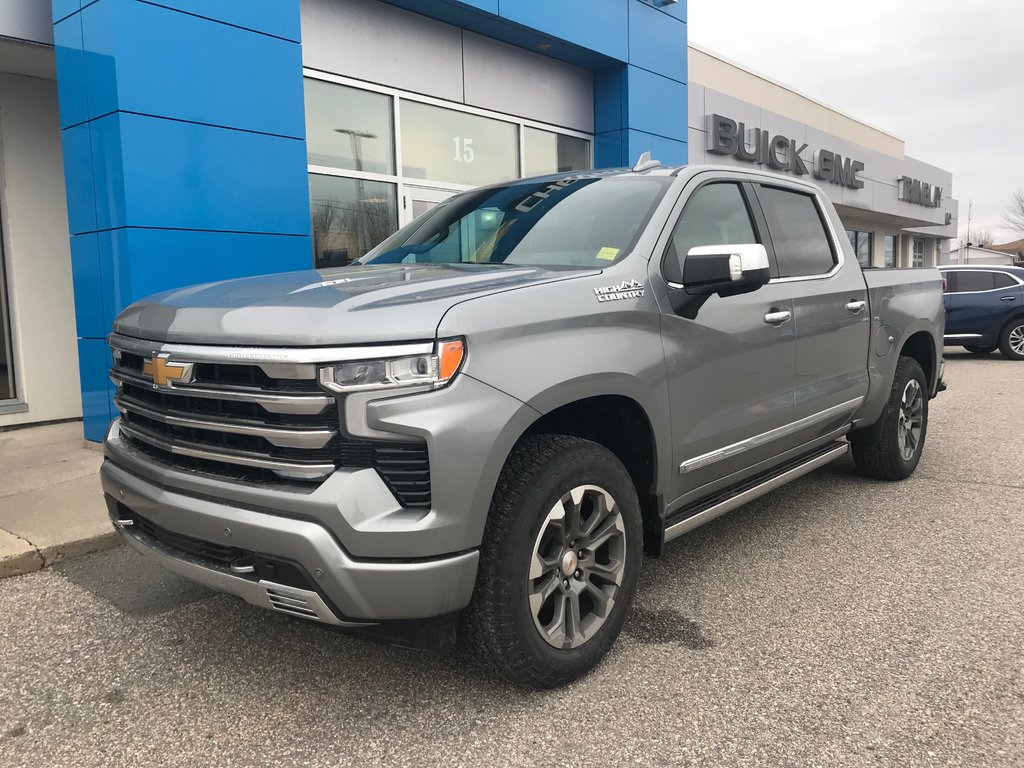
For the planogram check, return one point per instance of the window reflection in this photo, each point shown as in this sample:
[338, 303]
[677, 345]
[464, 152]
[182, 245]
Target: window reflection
[349, 217]
[547, 152]
[348, 128]
[445, 145]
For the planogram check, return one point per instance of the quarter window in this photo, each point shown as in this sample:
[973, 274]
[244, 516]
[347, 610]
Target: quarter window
[1003, 280]
[716, 214]
[798, 232]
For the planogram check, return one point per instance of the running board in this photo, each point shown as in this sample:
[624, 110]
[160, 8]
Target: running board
[698, 518]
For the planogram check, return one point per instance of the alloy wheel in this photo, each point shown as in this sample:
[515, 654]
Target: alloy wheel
[577, 566]
[911, 418]
[1017, 339]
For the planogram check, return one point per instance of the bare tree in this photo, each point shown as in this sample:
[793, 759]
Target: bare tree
[1014, 215]
[980, 238]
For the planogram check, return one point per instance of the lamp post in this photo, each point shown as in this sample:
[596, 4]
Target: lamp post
[356, 137]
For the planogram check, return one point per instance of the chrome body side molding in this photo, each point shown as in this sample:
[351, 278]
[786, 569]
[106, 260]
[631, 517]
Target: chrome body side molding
[698, 462]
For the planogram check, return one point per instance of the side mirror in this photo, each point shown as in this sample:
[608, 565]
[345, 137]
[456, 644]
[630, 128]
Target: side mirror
[725, 270]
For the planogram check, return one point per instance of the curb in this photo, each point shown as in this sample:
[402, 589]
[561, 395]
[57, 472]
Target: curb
[28, 558]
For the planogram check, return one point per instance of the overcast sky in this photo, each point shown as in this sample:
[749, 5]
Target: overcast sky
[945, 76]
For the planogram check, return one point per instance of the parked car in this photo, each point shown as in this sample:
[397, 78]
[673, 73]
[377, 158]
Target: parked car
[985, 309]
[472, 435]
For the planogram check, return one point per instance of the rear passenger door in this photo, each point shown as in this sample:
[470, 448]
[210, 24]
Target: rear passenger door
[831, 314]
[980, 301]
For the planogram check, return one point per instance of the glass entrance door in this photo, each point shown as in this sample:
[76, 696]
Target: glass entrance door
[419, 200]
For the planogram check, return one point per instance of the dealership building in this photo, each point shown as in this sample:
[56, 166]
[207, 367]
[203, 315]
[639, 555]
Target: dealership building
[150, 144]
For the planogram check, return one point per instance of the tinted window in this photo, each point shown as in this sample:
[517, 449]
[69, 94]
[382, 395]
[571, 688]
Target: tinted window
[584, 220]
[974, 281]
[798, 233]
[1003, 280]
[716, 214]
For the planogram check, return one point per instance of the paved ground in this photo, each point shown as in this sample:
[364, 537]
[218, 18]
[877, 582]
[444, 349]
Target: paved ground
[51, 507]
[835, 622]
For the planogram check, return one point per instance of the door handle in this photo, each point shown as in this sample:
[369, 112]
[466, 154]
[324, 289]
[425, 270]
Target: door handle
[1008, 298]
[856, 305]
[777, 316]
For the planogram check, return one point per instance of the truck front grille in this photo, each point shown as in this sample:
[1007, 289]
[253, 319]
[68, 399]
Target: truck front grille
[259, 422]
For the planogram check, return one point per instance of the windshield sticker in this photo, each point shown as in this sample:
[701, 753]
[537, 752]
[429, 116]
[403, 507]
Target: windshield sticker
[608, 254]
[627, 289]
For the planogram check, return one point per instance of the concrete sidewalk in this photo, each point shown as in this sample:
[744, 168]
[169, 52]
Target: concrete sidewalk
[51, 506]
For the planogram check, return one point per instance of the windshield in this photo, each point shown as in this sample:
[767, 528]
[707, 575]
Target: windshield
[586, 220]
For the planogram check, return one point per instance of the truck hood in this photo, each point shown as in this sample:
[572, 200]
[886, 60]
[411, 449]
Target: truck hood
[348, 305]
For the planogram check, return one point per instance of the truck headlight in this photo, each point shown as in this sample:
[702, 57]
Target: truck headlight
[434, 370]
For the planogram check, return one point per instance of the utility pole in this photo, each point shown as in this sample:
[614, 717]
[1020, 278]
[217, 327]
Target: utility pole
[356, 138]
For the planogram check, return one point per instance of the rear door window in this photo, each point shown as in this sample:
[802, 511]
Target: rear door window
[1003, 280]
[797, 229]
[969, 281]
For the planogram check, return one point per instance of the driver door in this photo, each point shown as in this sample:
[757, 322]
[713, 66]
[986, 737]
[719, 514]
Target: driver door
[731, 368]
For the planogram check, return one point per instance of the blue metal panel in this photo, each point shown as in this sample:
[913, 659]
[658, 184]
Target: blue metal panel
[64, 8]
[67, 41]
[676, 10]
[94, 363]
[163, 173]
[597, 25]
[656, 104]
[223, 77]
[657, 41]
[92, 310]
[78, 180]
[176, 258]
[668, 151]
[271, 17]
[610, 99]
[610, 149]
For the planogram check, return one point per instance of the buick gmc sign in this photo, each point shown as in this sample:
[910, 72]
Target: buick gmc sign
[725, 136]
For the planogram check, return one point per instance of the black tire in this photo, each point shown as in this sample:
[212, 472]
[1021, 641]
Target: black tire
[877, 449]
[1011, 340]
[982, 350]
[498, 629]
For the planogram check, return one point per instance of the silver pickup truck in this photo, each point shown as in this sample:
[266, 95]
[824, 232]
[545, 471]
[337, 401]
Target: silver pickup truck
[471, 437]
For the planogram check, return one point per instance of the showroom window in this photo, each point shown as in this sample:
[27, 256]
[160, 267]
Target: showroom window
[918, 252]
[348, 217]
[549, 152]
[7, 388]
[890, 250]
[378, 157]
[862, 246]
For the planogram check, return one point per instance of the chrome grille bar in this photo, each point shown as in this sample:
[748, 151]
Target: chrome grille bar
[284, 468]
[279, 436]
[298, 405]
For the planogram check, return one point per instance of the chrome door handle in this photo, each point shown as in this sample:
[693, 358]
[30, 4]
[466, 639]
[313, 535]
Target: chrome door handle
[856, 306]
[1008, 298]
[778, 317]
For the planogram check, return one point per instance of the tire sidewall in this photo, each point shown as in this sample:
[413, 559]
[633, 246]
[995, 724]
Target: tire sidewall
[584, 465]
[1004, 339]
[907, 370]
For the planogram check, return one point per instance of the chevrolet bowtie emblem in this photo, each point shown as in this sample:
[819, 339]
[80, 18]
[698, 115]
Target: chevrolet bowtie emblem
[163, 372]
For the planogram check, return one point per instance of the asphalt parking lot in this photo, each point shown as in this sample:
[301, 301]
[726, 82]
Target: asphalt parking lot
[837, 621]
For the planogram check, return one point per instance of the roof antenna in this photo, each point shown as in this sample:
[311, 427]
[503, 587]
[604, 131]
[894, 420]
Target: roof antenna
[645, 163]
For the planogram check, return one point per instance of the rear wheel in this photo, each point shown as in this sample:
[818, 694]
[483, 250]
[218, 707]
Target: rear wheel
[558, 565]
[1011, 340]
[980, 350]
[890, 449]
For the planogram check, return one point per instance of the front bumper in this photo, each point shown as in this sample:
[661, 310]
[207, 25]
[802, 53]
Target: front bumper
[360, 591]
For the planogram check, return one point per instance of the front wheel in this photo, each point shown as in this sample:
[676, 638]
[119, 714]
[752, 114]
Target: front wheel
[559, 562]
[890, 449]
[1011, 340]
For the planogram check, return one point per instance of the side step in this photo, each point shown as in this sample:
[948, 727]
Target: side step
[706, 510]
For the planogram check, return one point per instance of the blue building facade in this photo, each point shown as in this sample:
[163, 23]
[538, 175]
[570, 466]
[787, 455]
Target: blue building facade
[184, 128]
